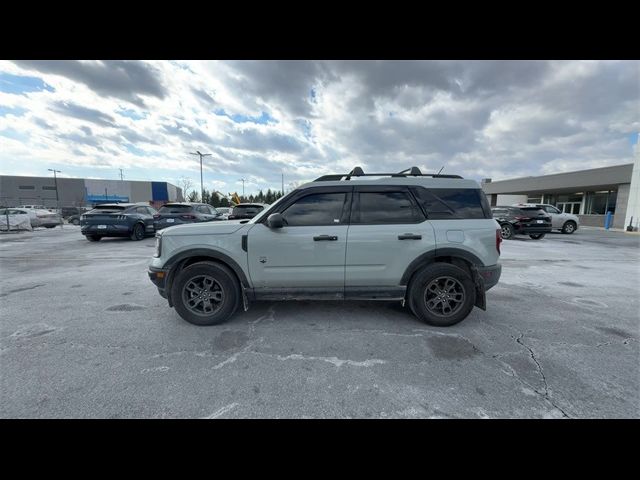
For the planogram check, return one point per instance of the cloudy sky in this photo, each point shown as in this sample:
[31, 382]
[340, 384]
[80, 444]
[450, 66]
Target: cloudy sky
[497, 119]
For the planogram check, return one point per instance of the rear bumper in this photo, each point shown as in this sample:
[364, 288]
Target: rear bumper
[490, 275]
[527, 229]
[110, 230]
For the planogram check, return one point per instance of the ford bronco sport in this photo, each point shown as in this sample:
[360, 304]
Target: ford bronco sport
[425, 239]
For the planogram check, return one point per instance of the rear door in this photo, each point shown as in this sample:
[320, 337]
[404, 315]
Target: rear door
[309, 251]
[556, 216]
[387, 232]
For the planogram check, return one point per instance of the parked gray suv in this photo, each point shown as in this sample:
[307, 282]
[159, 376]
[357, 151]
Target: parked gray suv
[423, 239]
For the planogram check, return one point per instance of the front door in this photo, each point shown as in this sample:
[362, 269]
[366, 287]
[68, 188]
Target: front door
[308, 252]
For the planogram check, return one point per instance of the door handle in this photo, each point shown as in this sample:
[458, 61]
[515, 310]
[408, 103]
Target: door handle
[325, 238]
[409, 236]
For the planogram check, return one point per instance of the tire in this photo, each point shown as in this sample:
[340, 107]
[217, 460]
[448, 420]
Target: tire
[537, 236]
[506, 231]
[76, 221]
[93, 238]
[441, 279]
[222, 284]
[137, 232]
[569, 227]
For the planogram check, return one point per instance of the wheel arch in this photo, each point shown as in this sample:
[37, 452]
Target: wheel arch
[188, 257]
[455, 256]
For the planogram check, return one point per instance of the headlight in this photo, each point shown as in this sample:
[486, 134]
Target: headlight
[158, 250]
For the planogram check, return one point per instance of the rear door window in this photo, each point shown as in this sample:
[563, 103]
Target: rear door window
[386, 208]
[453, 203]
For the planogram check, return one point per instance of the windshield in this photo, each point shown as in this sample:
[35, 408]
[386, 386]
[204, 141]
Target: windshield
[247, 209]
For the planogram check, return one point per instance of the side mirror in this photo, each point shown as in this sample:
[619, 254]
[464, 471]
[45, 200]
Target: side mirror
[275, 220]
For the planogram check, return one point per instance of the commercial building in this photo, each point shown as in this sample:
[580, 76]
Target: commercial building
[81, 192]
[590, 194]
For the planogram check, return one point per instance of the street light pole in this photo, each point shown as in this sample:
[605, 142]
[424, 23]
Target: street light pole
[197, 152]
[242, 180]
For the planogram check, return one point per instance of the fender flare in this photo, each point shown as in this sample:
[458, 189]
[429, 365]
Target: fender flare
[430, 256]
[178, 258]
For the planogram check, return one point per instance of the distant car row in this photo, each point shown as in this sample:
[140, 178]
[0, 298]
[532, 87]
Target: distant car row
[135, 220]
[535, 220]
[36, 217]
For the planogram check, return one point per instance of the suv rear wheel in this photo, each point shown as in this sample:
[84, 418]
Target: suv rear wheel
[506, 230]
[569, 227]
[138, 232]
[537, 236]
[205, 293]
[93, 238]
[442, 294]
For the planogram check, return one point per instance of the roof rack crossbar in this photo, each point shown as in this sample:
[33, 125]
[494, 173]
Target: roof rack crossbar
[358, 172]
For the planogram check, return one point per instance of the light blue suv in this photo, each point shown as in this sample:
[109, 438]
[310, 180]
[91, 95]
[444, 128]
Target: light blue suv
[423, 239]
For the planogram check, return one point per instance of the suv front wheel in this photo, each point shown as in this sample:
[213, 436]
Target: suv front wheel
[442, 294]
[205, 293]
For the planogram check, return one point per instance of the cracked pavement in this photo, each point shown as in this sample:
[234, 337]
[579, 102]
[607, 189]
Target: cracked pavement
[84, 334]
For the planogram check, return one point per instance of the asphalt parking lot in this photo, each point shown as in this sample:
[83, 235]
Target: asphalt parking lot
[84, 334]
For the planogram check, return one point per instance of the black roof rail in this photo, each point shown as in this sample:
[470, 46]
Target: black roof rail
[358, 172]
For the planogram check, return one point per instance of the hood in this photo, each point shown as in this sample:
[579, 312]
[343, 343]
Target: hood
[204, 228]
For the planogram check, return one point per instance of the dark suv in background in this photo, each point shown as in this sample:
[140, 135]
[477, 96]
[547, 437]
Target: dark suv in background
[532, 221]
[246, 210]
[133, 220]
[178, 213]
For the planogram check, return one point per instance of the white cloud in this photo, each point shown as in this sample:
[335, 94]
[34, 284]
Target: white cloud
[479, 119]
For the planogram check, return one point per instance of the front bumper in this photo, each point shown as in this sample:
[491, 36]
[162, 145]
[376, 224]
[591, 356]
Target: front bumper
[490, 275]
[158, 276]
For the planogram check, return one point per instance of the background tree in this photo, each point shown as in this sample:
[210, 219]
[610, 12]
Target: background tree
[186, 185]
[193, 196]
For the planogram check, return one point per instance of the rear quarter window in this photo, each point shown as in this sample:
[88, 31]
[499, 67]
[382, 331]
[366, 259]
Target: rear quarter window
[453, 203]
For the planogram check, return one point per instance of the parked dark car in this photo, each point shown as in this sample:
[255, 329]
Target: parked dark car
[67, 212]
[246, 210]
[72, 214]
[178, 213]
[532, 221]
[133, 220]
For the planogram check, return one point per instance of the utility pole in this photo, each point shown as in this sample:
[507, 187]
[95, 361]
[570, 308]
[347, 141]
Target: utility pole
[55, 180]
[201, 182]
[283, 184]
[121, 175]
[243, 180]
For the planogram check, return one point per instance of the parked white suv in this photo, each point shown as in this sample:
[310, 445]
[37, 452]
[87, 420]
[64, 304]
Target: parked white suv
[427, 240]
[565, 222]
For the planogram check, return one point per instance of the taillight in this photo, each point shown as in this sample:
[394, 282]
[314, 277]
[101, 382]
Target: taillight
[188, 217]
[498, 240]
[521, 218]
[156, 216]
